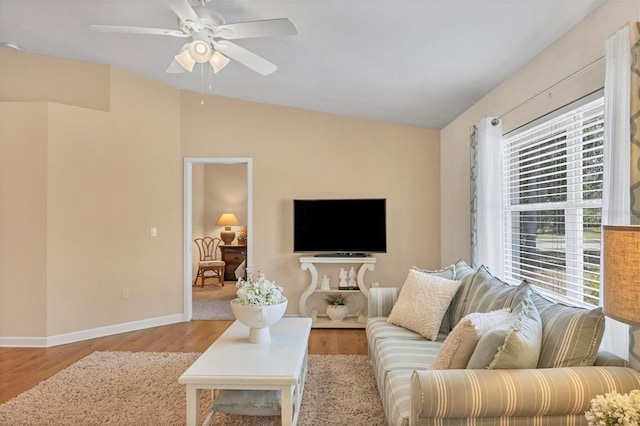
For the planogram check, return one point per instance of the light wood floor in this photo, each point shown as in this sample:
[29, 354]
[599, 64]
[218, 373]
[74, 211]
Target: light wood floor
[23, 368]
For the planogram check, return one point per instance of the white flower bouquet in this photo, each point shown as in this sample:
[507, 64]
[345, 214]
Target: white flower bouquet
[614, 409]
[258, 292]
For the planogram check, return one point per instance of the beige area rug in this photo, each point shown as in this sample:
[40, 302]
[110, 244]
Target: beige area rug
[141, 388]
[212, 301]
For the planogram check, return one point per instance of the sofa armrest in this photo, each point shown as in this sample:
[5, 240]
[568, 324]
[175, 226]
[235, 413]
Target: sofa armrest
[513, 393]
[381, 300]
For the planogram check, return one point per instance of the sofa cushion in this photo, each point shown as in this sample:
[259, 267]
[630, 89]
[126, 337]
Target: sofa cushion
[379, 328]
[464, 273]
[423, 300]
[449, 272]
[392, 354]
[461, 342]
[514, 343]
[480, 292]
[487, 293]
[571, 335]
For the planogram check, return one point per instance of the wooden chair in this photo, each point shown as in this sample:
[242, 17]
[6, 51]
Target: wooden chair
[208, 248]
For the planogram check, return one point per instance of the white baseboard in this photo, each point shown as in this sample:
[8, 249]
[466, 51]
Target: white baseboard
[77, 336]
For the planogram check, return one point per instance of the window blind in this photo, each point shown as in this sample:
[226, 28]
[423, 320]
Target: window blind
[553, 203]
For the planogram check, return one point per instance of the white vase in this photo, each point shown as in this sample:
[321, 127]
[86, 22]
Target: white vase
[337, 312]
[258, 318]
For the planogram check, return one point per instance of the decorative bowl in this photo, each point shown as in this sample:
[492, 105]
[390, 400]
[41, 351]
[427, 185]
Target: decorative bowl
[258, 318]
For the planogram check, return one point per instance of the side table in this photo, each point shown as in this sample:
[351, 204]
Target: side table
[233, 255]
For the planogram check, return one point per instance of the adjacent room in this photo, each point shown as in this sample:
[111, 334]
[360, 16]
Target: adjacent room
[324, 212]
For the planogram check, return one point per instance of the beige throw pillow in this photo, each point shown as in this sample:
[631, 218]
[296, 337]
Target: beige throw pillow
[461, 342]
[423, 300]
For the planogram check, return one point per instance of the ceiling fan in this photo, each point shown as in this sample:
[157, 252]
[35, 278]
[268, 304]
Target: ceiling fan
[210, 35]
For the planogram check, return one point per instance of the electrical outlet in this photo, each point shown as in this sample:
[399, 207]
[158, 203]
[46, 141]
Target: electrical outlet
[154, 232]
[125, 293]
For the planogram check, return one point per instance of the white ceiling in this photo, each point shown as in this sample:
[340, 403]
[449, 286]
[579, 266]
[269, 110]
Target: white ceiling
[419, 63]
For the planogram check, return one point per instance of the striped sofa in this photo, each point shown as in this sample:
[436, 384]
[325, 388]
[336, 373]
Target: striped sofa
[570, 372]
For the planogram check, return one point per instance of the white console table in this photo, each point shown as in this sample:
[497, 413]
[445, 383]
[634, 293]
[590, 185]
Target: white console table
[320, 321]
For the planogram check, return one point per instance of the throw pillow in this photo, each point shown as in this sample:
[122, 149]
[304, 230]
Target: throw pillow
[460, 343]
[487, 293]
[514, 343]
[480, 292]
[423, 300]
[449, 272]
[571, 335]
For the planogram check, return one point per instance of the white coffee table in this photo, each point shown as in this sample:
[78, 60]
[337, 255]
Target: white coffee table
[231, 362]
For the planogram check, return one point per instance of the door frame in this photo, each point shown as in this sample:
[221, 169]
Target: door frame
[188, 220]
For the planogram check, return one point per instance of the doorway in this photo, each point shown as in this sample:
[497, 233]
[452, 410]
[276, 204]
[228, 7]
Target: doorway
[189, 164]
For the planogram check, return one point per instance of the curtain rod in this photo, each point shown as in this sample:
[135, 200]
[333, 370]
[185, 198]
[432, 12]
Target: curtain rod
[496, 120]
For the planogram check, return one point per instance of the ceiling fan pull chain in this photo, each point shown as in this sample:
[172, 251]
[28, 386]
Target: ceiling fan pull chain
[201, 84]
[210, 78]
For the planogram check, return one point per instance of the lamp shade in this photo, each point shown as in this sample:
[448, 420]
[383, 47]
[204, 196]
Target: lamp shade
[228, 219]
[621, 265]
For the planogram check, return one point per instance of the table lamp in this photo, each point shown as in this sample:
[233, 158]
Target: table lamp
[622, 282]
[227, 220]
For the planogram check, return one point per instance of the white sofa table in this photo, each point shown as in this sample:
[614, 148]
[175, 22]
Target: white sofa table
[231, 362]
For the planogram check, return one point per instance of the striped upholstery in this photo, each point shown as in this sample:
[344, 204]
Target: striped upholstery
[396, 398]
[487, 293]
[513, 397]
[464, 273]
[610, 360]
[571, 336]
[381, 300]
[379, 328]
[399, 354]
[414, 395]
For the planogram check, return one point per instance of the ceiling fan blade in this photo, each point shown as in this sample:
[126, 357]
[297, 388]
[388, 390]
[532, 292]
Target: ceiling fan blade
[175, 68]
[266, 28]
[245, 57]
[183, 9]
[136, 30]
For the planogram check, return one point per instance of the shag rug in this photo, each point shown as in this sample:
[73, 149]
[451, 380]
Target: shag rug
[212, 302]
[141, 388]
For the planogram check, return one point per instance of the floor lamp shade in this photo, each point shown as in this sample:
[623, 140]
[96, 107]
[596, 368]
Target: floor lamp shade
[621, 297]
[227, 220]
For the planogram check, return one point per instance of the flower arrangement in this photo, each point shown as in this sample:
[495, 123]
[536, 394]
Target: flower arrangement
[242, 234]
[258, 292]
[614, 409]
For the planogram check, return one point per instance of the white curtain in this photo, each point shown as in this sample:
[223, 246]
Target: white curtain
[486, 196]
[616, 206]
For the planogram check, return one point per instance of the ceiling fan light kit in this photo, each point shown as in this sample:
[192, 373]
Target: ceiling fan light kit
[218, 61]
[210, 33]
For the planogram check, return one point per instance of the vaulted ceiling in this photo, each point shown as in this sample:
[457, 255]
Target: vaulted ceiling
[413, 62]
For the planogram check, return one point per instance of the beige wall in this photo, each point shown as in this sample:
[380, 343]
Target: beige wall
[580, 47]
[85, 176]
[81, 190]
[303, 154]
[225, 192]
[23, 218]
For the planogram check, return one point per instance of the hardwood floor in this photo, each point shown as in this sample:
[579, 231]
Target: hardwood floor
[23, 368]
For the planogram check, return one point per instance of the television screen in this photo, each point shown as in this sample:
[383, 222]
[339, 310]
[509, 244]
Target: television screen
[340, 226]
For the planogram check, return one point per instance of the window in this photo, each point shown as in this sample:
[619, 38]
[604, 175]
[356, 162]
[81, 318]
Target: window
[553, 203]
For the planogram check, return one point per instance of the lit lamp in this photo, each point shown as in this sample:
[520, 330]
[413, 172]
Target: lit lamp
[622, 282]
[227, 220]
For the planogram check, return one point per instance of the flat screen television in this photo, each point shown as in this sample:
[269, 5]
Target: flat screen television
[340, 227]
